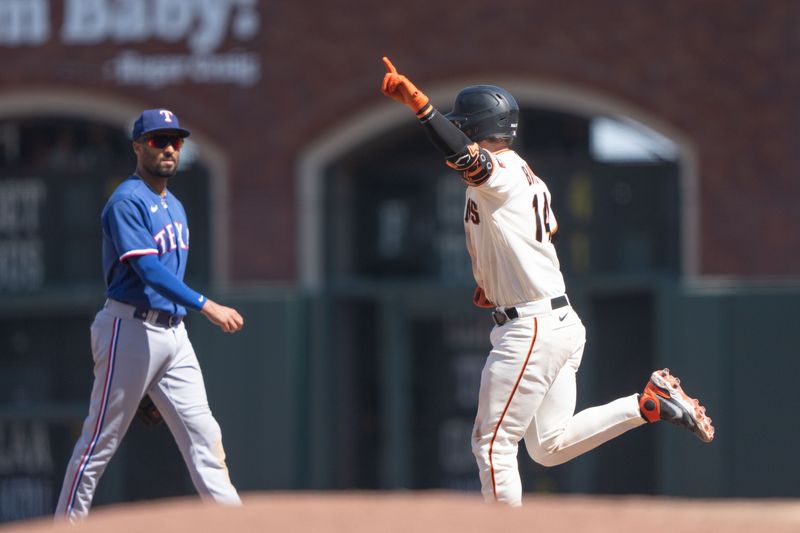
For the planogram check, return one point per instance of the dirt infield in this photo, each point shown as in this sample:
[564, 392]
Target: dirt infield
[439, 512]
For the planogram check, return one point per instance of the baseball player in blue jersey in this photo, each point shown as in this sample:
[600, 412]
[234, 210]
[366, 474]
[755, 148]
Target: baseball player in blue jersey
[139, 342]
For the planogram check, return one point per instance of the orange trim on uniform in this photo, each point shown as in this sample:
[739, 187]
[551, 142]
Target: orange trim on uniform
[469, 173]
[508, 403]
[464, 160]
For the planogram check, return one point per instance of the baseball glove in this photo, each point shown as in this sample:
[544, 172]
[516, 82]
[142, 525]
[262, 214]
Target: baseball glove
[148, 413]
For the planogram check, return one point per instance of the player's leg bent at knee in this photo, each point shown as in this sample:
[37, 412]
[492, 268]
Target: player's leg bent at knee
[585, 431]
[557, 436]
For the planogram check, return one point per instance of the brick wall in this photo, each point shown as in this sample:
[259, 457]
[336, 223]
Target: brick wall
[724, 73]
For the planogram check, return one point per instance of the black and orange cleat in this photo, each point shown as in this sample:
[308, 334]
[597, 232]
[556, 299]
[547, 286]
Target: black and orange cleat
[664, 399]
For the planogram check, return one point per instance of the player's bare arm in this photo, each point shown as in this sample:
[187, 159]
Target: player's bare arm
[227, 318]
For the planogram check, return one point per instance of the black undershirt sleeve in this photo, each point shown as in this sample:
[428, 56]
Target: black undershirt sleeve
[442, 133]
[460, 153]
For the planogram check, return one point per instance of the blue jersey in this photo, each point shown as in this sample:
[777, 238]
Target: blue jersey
[137, 221]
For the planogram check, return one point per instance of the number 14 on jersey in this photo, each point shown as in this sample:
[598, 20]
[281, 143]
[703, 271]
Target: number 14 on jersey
[545, 220]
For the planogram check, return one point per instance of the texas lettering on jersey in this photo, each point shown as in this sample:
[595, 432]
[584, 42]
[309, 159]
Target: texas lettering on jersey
[139, 222]
[173, 236]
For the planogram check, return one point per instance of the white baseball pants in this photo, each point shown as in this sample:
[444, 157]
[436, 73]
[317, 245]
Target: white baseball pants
[133, 358]
[528, 391]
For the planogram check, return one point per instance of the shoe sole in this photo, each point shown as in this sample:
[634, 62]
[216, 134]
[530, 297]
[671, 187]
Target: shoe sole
[670, 384]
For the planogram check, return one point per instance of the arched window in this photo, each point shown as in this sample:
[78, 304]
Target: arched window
[56, 173]
[394, 211]
[382, 246]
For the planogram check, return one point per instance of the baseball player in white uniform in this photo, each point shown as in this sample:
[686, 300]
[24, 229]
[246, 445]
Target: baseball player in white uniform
[528, 382]
[139, 342]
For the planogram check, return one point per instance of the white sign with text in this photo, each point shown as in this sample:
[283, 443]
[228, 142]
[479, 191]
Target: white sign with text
[201, 25]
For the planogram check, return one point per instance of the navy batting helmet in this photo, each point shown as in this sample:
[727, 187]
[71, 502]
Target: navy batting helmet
[484, 111]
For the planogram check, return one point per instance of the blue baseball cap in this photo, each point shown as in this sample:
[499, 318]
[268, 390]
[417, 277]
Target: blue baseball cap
[156, 120]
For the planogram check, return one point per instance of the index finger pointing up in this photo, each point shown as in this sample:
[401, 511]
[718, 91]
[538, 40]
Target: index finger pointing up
[389, 67]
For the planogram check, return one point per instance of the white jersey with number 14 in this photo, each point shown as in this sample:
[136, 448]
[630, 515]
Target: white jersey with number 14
[509, 224]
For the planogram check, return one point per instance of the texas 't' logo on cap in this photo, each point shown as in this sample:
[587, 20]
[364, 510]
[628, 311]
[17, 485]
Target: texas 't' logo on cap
[156, 120]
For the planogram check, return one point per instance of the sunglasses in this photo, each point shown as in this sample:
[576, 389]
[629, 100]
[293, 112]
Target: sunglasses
[162, 141]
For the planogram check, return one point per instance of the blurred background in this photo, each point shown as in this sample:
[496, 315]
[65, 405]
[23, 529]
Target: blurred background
[667, 133]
